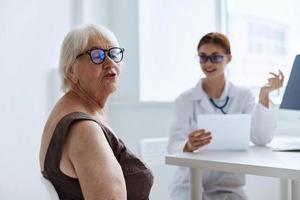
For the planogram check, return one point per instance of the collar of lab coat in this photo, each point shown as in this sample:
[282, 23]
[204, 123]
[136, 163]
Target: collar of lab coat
[197, 93]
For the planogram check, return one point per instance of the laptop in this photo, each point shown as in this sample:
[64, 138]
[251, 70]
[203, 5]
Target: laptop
[289, 113]
[229, 132]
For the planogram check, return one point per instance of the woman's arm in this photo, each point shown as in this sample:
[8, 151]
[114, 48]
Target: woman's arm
[99, 173]
[263, 121]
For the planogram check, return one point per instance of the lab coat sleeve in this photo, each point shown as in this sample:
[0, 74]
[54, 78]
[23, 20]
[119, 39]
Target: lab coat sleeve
[180, 127]
[263, 123]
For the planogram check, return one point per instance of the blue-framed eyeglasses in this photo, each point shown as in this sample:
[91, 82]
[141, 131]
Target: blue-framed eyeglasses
[215, 58]
[98, 55]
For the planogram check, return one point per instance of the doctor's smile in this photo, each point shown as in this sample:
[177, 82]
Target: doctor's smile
[208, 70]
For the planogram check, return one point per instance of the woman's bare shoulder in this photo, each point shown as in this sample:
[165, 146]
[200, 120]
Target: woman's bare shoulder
[63, 107]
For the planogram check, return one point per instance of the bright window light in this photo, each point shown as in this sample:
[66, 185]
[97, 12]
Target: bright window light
[264, 37]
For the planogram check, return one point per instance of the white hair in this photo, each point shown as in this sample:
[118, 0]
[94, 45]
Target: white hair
[76, 42]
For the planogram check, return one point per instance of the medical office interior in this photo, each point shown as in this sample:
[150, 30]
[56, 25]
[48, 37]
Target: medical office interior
[160, 39]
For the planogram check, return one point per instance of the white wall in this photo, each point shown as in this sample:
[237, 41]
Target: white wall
[169, 32]
[30, 36]
[135, 121]
[124, 23]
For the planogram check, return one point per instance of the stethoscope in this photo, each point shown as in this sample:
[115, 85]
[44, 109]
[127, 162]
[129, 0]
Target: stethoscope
[220, 107]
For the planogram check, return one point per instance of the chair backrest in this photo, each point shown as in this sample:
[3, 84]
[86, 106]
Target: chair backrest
[50, 188]
[153, 152]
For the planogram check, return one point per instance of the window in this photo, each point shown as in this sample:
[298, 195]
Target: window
[169, 34]
[263, 37]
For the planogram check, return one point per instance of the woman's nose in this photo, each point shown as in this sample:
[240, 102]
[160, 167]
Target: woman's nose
[108, 62]
[207, 63]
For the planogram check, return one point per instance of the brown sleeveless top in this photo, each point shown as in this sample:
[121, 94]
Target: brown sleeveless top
[137, 176]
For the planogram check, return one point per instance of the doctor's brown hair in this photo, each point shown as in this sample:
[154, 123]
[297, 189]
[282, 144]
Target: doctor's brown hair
[216, 38]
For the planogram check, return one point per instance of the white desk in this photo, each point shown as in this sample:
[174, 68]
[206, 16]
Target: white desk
[257, 161]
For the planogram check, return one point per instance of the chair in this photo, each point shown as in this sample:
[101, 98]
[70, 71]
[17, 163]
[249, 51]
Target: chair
[50, 188]
[152, 152]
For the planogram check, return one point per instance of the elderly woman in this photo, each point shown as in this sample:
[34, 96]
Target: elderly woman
[80, 154]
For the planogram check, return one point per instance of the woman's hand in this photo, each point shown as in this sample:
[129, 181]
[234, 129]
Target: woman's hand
[274, 83]
[197, 139]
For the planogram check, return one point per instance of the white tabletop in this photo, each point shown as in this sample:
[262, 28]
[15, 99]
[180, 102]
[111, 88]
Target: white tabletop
[257, 160]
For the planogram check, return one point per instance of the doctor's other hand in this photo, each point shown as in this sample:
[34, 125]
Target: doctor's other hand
[197, 139]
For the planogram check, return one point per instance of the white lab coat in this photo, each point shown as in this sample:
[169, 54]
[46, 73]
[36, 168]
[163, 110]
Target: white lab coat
[216, 185]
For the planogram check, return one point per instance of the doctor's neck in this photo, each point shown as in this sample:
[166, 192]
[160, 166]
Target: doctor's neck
[214, 86]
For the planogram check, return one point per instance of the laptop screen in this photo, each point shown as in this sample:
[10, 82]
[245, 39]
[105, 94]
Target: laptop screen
[291, 97]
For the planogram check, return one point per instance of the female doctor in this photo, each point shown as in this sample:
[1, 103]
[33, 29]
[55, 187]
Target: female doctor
[214, 94]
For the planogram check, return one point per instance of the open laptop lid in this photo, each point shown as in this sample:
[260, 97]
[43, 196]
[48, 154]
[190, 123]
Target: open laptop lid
[289, 112]
[291, 97]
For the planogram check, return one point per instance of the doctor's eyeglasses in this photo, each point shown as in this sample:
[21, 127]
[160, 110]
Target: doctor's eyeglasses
[215, 58]
[98, 55]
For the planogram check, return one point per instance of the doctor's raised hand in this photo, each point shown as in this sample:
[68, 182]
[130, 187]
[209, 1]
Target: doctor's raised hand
[274, 83]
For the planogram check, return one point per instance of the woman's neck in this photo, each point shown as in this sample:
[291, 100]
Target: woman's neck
[92, 103]
[214, 87]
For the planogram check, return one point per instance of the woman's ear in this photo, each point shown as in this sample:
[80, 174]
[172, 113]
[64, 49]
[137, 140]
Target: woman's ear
[71, 75]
